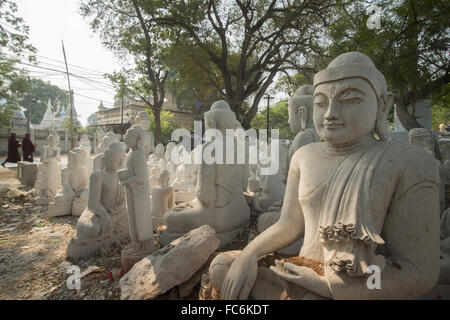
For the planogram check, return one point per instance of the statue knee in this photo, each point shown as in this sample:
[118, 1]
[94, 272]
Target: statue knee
[219, 268]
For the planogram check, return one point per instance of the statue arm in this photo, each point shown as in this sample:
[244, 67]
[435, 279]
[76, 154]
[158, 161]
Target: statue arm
[411, 232]
[95, 192]
[140, 165]
[290, 227]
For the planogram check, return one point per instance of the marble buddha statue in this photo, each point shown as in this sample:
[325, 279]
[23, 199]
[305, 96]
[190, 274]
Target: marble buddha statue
[73, 197]
[220, 201]
[105, 220]
[48, 177]
[163, 199]
[423, 138]
[300, 109]
[273, 187]
[361, 202]
[142, 119]
[107, 139]
[158, 154]
[135, 179]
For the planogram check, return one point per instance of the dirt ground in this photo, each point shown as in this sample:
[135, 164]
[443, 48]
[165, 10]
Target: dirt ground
[33, 250]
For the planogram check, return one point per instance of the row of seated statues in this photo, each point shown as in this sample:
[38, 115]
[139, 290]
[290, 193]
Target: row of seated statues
[345, 197]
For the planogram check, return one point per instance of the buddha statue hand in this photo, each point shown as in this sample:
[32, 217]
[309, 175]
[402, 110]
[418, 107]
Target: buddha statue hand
[240, 278]
[106, 224]
[302, 276]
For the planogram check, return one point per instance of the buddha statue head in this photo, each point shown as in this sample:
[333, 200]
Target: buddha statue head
[134, 137]
[220, 117]
[114, 157]
[142, 119]
[300, 107]
[351, 100]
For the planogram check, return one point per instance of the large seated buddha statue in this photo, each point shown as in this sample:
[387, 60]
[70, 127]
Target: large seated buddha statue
[361, 202]
[220, 201]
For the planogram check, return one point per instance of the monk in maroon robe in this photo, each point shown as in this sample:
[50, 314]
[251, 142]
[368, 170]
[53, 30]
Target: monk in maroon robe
[13, 150]
[28, 148]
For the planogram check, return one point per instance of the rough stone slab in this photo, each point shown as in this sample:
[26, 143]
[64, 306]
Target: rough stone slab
[170, 266]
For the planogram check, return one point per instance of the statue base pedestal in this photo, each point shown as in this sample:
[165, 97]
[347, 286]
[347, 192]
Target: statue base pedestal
[129, 256]
[42, 201]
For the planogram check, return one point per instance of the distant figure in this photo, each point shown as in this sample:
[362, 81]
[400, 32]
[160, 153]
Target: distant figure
[28, 148]
[13, 150]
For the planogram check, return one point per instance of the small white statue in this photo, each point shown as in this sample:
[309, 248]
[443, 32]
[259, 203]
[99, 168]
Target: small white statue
[73, 197]
[157, 155]
[108, 138]
[142, 119]
[154, 178]
[105, 220]
[273, 186]
[135, 179]
[48, 178]
[163, 199]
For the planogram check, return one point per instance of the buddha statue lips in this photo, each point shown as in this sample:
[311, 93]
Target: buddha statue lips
[356, 201]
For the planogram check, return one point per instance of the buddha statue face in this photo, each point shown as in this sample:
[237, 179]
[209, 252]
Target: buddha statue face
[344, 110]
[114, 157]
[133, 137]
[142, 120]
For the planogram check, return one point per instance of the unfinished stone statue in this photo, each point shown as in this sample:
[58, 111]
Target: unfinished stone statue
[163, 199]
[423, 138]
[142, 119]
[105, 220]
[273, 185]
[135, 180]
[85, 145]
[348, 196]
[185, 179]
[73, 197]
[48, 178]
[108, 138]
[220, 202]
[300, 108]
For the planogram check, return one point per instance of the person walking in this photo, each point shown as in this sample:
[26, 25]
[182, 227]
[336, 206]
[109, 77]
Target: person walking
[13, 150]
[28, 148]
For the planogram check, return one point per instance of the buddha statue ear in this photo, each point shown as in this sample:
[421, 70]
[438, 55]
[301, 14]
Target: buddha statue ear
[385, 103]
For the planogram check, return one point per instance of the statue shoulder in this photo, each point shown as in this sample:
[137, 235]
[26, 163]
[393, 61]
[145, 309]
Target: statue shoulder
[413, 162]
[307, 151]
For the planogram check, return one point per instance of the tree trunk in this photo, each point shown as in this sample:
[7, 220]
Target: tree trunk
[407, 119]
[157, 116]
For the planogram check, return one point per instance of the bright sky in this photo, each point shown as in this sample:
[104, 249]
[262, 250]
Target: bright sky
[51, 21]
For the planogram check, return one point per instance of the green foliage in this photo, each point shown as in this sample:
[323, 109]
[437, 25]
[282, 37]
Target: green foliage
[13, 46]
[40, 93]
[410, 49]
[278, 118]
[168, 125]
[441, 107]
